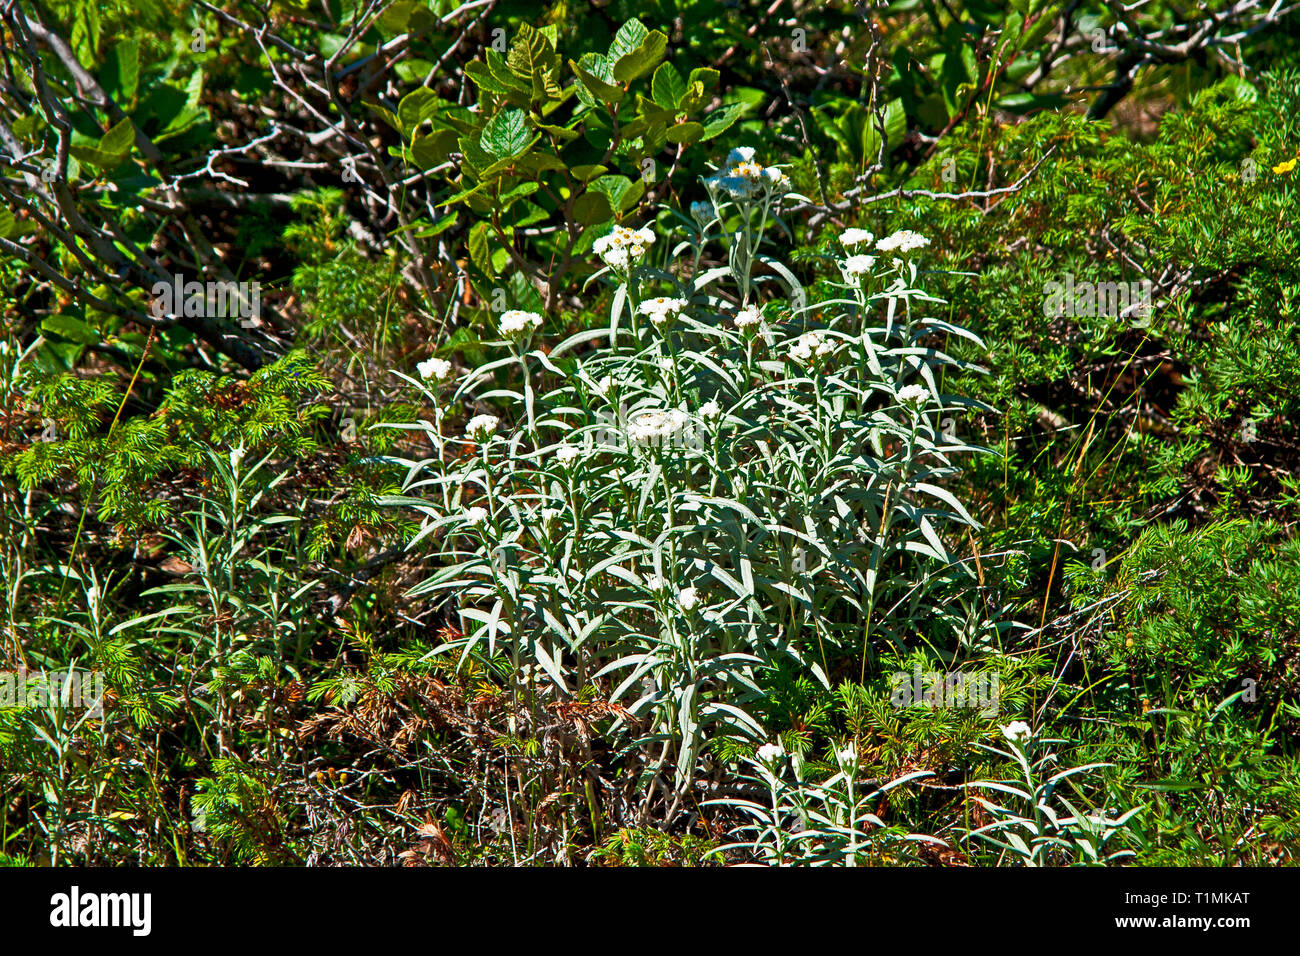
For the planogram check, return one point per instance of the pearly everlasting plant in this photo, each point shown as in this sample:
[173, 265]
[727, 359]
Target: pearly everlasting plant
[1041, 818]
[725, 480]
[804, 822]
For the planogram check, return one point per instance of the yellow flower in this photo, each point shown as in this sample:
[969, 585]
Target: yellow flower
[1283, 168]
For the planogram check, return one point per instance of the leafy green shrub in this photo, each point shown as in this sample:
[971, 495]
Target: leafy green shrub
[542, 166]
[656, 613]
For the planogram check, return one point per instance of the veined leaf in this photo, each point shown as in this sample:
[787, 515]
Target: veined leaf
[506, 135]
[643, 59]
[667, 88]
[597, 79]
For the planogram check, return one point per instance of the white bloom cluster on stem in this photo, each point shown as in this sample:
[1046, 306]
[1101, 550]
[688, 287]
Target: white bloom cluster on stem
[516, 323]
[741, 177]
[481, 426]
[662, 309]
[913, 395]
[811, 346]
[656, 426]
[1017, 730]
[748, 317]
[623, 247]
[902, 242]
[434, 368]
[857, 266]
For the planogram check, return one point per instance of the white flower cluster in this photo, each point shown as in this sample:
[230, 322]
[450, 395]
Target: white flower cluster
[656, 426]
[474, 516]
[710, 410]
[741, 177]
[810, 346]
[913, 395]
[748, 317]
[903, 241]
[661, 309]
[776, 180]
[516, 323]
[852, 238]
[859, 265]
[481, 426]
[1017, 730]
[770, 753]
[623, 247]
[434, 368]
[567, 454]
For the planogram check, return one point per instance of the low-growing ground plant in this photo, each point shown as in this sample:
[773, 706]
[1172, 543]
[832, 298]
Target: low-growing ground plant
[831, 823]
[1034, 819]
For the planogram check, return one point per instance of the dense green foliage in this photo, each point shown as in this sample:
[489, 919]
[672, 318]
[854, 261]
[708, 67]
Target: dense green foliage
[579, 491]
